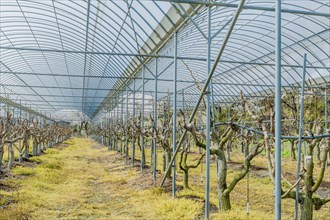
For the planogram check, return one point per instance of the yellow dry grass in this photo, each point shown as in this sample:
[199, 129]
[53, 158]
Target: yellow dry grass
[260, 186]
[87, 181]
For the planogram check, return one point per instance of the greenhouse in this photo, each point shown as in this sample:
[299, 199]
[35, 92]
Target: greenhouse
[164, 109]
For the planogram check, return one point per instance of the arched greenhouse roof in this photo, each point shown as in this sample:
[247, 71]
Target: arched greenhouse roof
[82, 55]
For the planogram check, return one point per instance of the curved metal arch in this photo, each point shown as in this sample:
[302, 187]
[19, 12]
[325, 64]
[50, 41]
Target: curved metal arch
[256, 20]
[256, 27]
[83, 30]
[124, 66]
[42, 9]
[133, 38]
[47, 39]
[196, 64]
[231, 66]
[132, 47]
[287, 83]
[316, 58]
[120, 60]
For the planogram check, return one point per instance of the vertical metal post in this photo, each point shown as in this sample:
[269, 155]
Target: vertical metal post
[326, 108]
[133, 124]
[213, 118]
[183, 101]
[114, 125]
[174, 110]
[107, 126]
[117, 117]
[102, 140]
[121, 123]
[155, 119]
[20, 110]
[208, 120]
[110, 124]
[142, 120]
[127, 121]
[301, 128]
[118, 123]
[20, 120]
[278, 110]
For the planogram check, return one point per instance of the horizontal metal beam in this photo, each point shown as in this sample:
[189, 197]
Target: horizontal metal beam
[123, 77]
[55, 87]
[74, 101]
[271, 135]
[152, 56]
[248, 6]
[58, 96]
[61, 105]
[151, 79]
[97, 53]
[140, 78]
[107, 89]
[22, 107]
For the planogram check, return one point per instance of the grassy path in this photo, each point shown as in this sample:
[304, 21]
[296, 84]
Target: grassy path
[82, 180]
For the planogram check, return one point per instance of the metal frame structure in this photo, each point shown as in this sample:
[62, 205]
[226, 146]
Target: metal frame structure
[84, 55]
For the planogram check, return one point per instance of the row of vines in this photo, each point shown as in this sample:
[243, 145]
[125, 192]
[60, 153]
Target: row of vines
[27, 137]
[247, 126]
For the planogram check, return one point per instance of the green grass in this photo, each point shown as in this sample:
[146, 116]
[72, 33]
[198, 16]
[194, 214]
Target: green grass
[4, 200]
[56, 165]
[35, 159]
[52, 151]
[24, 171]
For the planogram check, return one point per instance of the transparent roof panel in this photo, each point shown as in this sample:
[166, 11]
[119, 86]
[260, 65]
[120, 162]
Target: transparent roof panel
[81, 55]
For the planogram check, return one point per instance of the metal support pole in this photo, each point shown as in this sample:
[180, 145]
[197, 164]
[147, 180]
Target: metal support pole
[127, 121]
[326, 109]
[183, 101]
[114, 126]
[214, 66]
[117, 122]
[175, 76]
[155, 119]
[121, 123]
[278, 110]
[20, 120]
[301, 128]
[109, 128]
[111, 125]
[142, 121]
[208, 120]
[20, 111]
[102, 137]
[133, 124]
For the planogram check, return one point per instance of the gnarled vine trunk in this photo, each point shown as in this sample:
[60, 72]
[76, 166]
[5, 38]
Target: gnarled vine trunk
[10, 156]
[2, 151]
[224, 198]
